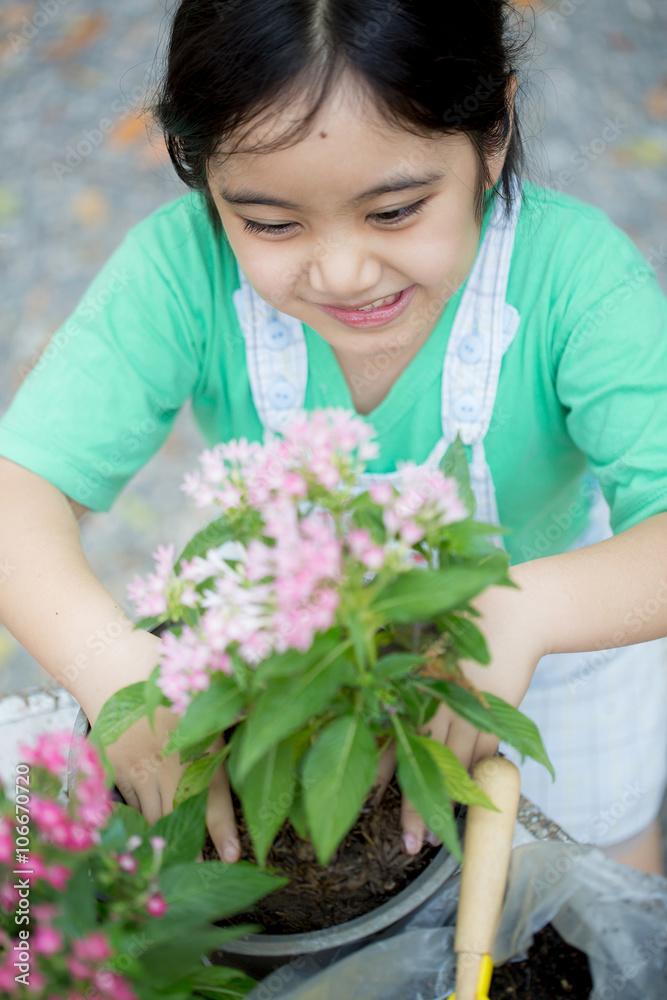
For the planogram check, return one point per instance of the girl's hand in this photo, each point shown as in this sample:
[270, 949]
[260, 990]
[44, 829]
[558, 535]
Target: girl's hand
[517, 629]
[147, 778]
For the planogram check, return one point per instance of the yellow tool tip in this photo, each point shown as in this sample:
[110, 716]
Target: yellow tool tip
[484, 981]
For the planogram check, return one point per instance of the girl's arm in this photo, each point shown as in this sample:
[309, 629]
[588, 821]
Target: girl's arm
[610, 594]
[53, 604]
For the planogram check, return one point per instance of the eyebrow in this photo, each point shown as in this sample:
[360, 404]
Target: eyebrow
[399, 182]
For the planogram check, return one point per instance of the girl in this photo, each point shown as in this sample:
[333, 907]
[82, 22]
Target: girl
[358, 234]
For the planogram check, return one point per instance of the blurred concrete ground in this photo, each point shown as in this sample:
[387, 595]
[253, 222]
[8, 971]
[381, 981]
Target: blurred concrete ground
[592, 69]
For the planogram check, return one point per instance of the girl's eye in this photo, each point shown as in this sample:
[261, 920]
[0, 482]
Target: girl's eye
[392, 218]
[397, 215]
[262, 227]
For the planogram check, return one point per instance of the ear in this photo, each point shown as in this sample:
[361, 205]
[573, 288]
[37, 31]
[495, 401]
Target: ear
[496, 163]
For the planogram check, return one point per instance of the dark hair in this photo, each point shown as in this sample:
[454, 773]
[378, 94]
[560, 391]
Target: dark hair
[431, 67]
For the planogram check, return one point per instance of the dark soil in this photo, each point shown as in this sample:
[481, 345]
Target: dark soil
[368, 868]
[553, 970]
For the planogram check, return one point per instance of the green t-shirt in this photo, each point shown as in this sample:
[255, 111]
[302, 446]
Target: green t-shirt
[582, 386]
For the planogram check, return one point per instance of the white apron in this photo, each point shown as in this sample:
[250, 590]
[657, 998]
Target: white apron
[606, 735]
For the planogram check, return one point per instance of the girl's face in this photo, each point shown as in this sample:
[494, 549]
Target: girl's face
[354, 213]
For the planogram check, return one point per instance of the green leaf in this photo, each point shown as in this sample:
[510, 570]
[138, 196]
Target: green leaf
[422, 780]
[210, 890]
[297, 813]
[455, 464]
[77, 904]
[196, 750]
[210, 537]
[471, 540]
[519, 731]
[121, 711]
[153, 696]
[468, 640]
[148, 623]
[183, 829]
[338, 773]
[226, 982]
[396, 665]
[177, 959]
[266, 794]
[134, 824]
[358, 637]
[459, 784]
[501, 719]
[197, 776]
[291, 662]
[291, 702]
[420, 594]
[210, 711]
[367, 514]
[420, 705]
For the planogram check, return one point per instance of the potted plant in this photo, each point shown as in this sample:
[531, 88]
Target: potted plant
[313, 623]
[95, 903]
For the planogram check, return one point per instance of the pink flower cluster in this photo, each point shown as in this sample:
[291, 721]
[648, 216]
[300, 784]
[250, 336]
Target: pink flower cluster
[274, 597]
[426, 501]
[149, 595]
[275, 592]
[75, 828]
[327, 447]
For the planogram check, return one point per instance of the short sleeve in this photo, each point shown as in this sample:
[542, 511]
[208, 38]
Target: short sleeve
[612, 379]
[103, 396]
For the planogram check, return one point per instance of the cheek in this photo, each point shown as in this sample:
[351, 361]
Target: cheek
[271, 271]
[442, 255]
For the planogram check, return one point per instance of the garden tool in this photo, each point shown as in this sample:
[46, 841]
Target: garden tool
[487, 847]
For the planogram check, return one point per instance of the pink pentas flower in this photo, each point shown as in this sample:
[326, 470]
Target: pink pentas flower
[36, 982]
[7, 981]
[34, 867]
[58, 876]
[157, 905]
[9, 897]
[111, 985]
[77, 968]
[46, 940]
[382, 493]
[92, 948]
[127, 863]
[6, 841]
[50, 750]
[47, 813]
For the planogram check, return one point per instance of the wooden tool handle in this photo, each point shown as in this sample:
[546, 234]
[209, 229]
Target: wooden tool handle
[486, 851]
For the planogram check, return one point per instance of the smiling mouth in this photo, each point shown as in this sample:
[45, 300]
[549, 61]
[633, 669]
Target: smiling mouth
[371, 315]
[375, 304]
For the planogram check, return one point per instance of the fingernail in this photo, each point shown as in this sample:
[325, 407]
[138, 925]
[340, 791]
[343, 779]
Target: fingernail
[230, 851]
[433, 840]
[411, 843]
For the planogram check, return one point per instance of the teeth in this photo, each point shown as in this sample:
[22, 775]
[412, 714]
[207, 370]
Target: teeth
[379, 302]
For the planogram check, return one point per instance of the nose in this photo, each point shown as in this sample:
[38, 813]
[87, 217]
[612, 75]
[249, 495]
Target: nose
[345, 269]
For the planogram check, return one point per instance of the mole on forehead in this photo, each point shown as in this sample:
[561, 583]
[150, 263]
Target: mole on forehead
[399, 182]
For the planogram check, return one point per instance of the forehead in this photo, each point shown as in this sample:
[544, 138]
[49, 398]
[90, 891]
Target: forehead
[348, 148]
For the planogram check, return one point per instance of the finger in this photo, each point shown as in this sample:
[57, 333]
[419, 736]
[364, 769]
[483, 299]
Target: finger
[130, 796]
[150, 803]
[413, 827]
[385, 772]
[220, 818]
[462, 740]
[486, 746]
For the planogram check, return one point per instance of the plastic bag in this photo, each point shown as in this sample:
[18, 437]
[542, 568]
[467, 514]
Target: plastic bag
[618, 916]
